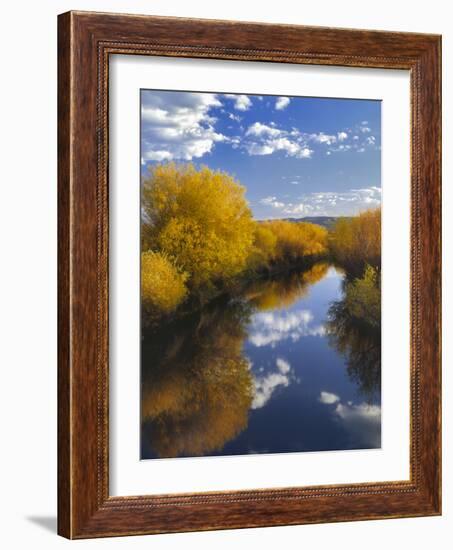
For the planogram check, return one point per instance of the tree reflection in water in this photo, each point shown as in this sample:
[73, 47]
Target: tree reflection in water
[197, 384]
[284, 290]
[354, 329]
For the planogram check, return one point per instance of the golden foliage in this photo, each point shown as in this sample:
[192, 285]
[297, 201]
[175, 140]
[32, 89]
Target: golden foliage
[197, 392]
[295, 240]
[200, 218]
[356, 241]
[162, 285]
[264, 247]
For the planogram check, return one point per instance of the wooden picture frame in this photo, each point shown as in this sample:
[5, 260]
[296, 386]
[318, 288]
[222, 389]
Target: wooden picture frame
[85, 42]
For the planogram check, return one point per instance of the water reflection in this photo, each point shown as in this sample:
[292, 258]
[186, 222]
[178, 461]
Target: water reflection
[358, 337]
[264, 386]
[197, 386]
[271, 370]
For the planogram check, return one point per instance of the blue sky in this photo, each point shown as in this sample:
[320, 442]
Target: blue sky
[296, 156]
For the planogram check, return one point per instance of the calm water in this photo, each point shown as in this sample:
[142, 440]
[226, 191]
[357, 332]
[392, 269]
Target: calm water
[267, 372]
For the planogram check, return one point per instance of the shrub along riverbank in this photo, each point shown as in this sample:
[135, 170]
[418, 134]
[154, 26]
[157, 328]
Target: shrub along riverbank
[199, 239]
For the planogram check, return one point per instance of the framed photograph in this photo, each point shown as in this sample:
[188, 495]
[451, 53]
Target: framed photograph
[249, 275]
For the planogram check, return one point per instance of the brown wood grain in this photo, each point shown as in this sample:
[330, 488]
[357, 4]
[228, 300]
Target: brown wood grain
[85, 42]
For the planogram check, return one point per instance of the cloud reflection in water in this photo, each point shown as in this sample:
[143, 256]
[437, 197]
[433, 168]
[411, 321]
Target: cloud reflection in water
[271, 327]
[264, 386]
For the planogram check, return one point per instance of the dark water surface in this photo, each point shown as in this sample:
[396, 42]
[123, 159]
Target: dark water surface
[270, 371]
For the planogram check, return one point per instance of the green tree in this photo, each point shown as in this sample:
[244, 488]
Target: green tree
[354, 329]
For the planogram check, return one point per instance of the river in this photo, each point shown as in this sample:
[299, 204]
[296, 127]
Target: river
[275, 369]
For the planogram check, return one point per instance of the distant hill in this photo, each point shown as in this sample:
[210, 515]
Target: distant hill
[324, 221]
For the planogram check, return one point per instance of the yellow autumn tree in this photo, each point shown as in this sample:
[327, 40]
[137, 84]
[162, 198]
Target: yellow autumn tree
[355, 242]
[162, 285]
[199, 218]
[296, 240]
[264, 247]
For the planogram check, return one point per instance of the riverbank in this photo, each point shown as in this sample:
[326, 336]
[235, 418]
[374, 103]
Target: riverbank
[233, 288]
[260, 370]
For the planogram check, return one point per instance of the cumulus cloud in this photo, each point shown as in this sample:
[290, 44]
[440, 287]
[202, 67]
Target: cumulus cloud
[241, 102]
[181, 126]
[281, 103]
[258, 129]
[178, 126]
[266, 139]
[264, 386]
[328, 398]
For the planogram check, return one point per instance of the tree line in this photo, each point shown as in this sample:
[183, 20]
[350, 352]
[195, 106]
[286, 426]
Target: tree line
[199, 238]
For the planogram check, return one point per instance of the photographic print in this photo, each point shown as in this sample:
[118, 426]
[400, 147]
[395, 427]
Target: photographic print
[260, 274]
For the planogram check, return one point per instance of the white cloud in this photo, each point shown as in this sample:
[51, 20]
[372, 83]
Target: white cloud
[180, 126]
[327, 203]
[272, 201]
[258, 129]
[297, 209]
[281, 103]
[241, 102]
[157, 155]
[256, 149]
[266, 139]
[328, 398]
[177, 125]
[269, 145]
[291, 148]
[323, 138]
[305, 153]
[232, 116]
